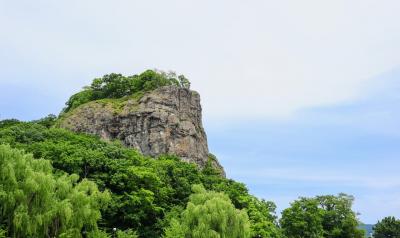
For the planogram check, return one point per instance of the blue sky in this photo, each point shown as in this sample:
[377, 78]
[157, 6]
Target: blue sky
[299, 98]
[352, 148]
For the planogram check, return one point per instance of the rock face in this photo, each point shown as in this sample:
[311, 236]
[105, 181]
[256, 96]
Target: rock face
[165, 121]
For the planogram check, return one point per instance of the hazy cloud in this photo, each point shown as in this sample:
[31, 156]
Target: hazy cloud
[248, 59]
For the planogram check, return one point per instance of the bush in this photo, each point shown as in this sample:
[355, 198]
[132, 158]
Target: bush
[8, 123]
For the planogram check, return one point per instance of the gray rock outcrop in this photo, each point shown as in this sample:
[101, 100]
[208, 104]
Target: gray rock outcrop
[167, 120]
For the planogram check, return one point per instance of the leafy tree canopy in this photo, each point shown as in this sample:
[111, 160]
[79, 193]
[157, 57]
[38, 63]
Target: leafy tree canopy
[209, 215]
[388, 227]
[322, 216]
[118, 86]
[36, 203]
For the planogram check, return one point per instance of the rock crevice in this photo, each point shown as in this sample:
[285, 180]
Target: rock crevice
[167, 120]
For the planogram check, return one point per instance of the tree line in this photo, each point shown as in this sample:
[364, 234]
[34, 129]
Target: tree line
[57, 183]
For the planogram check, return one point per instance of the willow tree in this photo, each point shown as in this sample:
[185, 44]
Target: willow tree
[36, 203]
[209, 215]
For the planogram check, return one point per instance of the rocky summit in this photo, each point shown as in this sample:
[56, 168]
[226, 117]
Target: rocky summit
[167, 120]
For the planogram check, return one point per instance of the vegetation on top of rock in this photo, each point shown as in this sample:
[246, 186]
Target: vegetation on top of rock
[118, 86]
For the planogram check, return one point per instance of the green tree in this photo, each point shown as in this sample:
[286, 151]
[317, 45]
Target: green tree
[388, 227]
[338, 219]
[3, 233]
[261, 213]
[47, 121]
[8, 123]
[176, 230]
[262, 218]
[36, 203]
[302, 220]
[210, 214]
[322, 216]
[111, 86]
[78, 99]
[126, 234]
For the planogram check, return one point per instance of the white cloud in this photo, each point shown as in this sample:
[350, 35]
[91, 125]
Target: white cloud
[248, 59]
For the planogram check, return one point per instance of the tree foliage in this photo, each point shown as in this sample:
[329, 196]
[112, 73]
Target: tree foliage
[47, 121]
[8, 122]
[388, 227]
[36, 203]
[303, 219]
[210, 215]
[322, 216]
[146, 193]
[118, 86]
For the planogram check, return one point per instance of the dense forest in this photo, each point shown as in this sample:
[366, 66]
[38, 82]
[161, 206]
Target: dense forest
[58, 183]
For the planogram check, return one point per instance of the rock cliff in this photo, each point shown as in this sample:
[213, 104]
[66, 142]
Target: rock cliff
[167, 120]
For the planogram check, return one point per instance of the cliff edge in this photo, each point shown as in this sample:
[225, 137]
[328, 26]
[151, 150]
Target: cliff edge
[167, 120]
